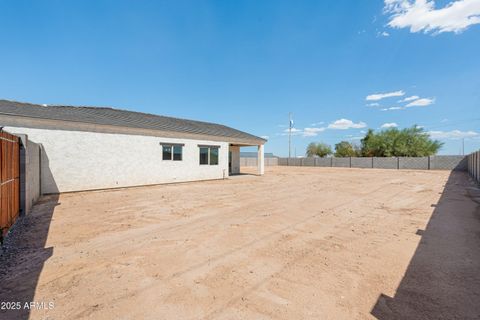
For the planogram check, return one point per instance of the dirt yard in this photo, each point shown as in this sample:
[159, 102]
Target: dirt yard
[297, 243]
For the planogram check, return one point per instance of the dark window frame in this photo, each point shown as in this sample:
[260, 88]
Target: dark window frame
[201, 158]
[209, 155]
[174, 153]
[164, 152]
[172, 147]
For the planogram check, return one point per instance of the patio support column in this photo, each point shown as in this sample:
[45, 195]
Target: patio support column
[261, 160]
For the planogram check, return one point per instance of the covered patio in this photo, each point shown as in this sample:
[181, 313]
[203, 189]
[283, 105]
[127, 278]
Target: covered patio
[234, 158]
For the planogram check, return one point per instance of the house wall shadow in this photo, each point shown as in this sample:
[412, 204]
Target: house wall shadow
[462, 165]
[24, 253]
[24, 256]
[48, 183]
[442, 280]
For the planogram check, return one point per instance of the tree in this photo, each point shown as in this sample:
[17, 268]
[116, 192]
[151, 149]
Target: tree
[346, 149]
[408, 142]
[318, 149]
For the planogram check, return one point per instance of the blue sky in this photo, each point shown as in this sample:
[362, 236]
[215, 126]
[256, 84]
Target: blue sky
[340, 67]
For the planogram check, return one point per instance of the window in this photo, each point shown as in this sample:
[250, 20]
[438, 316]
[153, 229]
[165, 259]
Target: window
[213, 156]
[172, 152]
[177, 153]
[209, 155]
[167, 153]
[204, 155]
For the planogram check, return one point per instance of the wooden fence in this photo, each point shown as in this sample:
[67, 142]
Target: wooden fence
[9, 181]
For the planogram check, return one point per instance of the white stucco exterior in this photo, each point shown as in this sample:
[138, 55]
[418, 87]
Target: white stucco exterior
[261, 160]
[235, 159]
[76, 160]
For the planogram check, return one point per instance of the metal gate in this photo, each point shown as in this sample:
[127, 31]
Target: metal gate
[10, 181]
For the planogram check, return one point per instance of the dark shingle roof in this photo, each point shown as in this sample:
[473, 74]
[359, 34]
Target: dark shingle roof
[122, 118]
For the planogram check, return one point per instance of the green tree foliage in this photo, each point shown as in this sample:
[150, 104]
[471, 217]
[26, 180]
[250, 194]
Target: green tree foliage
[408, 142]
[346, 149]
[318, 149]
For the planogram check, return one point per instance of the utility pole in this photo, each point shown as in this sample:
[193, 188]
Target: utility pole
[290, 125]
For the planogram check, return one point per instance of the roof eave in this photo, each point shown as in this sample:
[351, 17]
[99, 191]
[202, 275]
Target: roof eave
[53, 124]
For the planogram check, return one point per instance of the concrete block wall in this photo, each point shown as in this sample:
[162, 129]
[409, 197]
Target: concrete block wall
[323, 162]
[252, 162]
[248, 162]
[416, 163]
[448, 162]
[366, 162]
[283, 161]
[289, 162]
[32, 178]
[341, 162]
[309, 162]
[413, 163]
[295, 162]
[385, 163]
[30, 190]
[473, 165]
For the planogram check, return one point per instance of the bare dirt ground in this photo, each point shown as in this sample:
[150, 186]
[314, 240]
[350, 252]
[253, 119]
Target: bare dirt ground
[297, 243]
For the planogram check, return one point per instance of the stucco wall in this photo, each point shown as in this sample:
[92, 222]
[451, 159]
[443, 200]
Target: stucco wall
[32, 176]
[235, 159]
[75, 160]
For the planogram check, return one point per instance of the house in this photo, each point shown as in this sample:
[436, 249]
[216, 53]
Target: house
[88, 148]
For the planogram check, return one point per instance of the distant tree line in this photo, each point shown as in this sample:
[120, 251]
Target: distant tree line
[408, 142]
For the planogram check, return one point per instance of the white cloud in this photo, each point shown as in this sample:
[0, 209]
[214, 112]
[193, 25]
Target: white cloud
[374, 104]
[343, 124]
[312, 132]
[422, 16]
[389, 125]
[393, 108]
[423, 102]
[409, 99]
[306, 132]
[265, 137]
[454, 134]
[380, 96]
[383, 34]
[294, 131]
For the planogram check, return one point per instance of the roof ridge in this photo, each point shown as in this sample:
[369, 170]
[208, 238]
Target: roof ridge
[110, 108]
